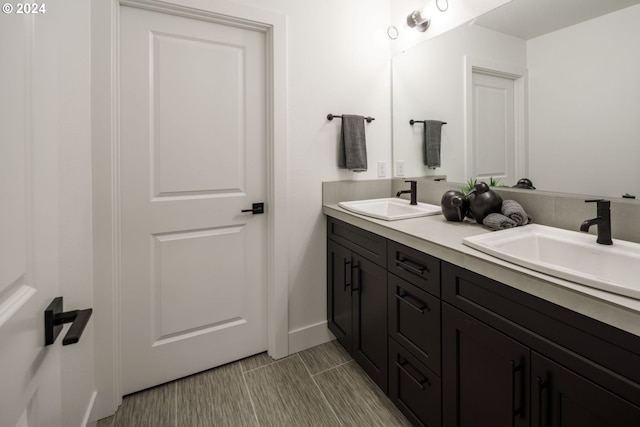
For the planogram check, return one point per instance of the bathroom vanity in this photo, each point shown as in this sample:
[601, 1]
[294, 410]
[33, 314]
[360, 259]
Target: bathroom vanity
[458, 338]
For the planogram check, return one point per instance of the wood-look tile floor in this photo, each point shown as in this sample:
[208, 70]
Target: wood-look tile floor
[321, 386]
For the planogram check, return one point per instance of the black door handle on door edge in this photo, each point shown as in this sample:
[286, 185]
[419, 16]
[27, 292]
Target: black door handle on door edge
[54, 318]
[256, 208]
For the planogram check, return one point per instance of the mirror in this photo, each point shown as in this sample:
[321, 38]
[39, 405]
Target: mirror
[575, 70]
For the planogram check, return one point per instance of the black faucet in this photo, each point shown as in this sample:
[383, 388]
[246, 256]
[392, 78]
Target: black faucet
[603, 221]
[413, 191]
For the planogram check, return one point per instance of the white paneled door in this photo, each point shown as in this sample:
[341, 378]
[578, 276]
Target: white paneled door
[493, 128]
[39, 122]
[193, 156]
[29, 372]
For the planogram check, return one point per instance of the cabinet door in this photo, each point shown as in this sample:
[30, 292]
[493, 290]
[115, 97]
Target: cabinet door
[563, 398]
[339, 313]
[485, 374]
[370, 319]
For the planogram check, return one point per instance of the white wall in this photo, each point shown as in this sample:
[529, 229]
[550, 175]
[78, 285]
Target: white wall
[429, 83]
[338, 62]
[584, 106]
[459, 12]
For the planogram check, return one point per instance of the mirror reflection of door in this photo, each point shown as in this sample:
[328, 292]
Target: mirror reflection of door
[493, 122]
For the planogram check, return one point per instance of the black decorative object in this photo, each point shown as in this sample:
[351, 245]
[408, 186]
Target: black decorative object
[483, 201]
[525, 183]
[455, 205]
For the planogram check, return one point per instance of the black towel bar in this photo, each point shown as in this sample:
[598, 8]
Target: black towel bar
[332, 116]
[411, 122]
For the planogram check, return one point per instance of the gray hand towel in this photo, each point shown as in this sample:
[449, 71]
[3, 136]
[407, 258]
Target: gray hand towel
[498, 221]
[431, 149]
[353, 144]
[514, 211]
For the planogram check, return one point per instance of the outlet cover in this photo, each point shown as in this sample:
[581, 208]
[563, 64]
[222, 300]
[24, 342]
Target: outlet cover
[400, 168]
[382, 169]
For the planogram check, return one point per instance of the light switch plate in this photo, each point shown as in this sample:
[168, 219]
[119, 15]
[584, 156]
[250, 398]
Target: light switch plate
[382, 169]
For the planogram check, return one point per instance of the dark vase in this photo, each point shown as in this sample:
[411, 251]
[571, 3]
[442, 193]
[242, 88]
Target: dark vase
[454, 205]
[483, 201]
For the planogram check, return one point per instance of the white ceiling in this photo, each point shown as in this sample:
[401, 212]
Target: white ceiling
[527, 19]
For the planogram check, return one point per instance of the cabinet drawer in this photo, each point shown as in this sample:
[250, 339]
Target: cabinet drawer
[415, 267]
[367, 244]
[414, 320]
[413, 388]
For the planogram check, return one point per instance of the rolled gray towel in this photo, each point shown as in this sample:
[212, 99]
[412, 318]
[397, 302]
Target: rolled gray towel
[498, 221]
[513, 210]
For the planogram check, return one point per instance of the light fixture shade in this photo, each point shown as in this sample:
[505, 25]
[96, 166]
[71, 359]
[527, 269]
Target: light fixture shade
[417, 21]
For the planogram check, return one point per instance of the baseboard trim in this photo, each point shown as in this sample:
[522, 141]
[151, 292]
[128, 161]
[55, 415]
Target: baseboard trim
[309, 336]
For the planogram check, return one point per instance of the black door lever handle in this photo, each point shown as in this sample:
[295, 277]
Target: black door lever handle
[256, 208]
[54, 318]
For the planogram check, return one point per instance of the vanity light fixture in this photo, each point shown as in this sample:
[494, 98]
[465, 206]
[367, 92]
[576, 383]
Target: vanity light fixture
[417, 21]
[418, 18]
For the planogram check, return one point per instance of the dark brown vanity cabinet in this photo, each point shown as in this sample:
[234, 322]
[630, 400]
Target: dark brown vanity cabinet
[456, 348]
[511, 359]
[357, 296]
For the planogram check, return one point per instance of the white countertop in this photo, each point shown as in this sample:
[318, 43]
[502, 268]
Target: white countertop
[436, 236]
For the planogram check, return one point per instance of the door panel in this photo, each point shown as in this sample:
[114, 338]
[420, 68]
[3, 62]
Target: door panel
[493, 128]
[195, 131]
[194, 264]
[192, 157]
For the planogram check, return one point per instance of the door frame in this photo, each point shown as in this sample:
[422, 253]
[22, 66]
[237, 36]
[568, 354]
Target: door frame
[105, 69]
[519, 77]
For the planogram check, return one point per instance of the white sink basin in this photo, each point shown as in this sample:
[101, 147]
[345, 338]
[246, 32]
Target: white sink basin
[569, 255]
[390, 209]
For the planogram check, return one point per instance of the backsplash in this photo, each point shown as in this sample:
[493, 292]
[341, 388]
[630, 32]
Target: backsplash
[560, 210]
